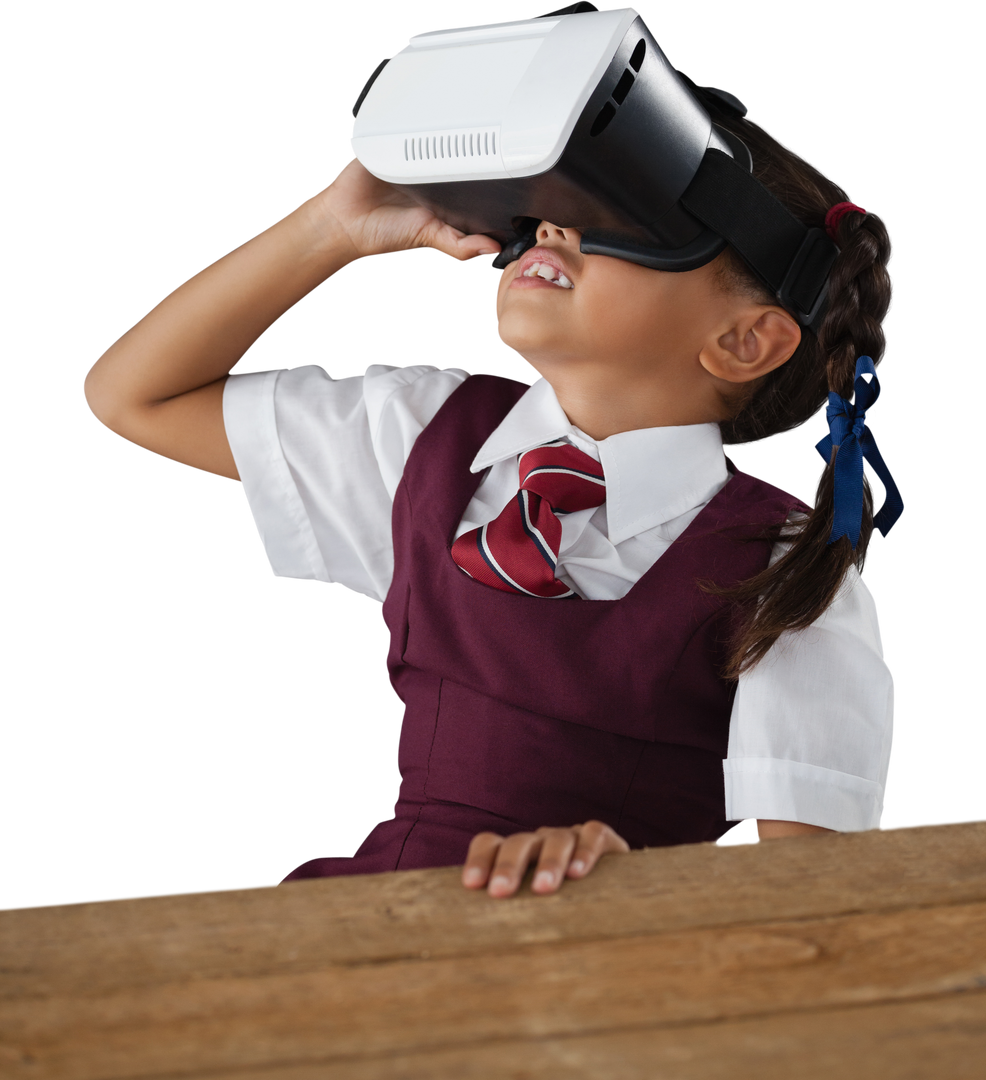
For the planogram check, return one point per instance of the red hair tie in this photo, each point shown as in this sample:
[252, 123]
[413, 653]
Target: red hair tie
[837, 213]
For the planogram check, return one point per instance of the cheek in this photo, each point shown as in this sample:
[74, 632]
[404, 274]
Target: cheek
[619, 307]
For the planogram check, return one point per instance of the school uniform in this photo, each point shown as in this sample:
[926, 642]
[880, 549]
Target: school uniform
[526, 711]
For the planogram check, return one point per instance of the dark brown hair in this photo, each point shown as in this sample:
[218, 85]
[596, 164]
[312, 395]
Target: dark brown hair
[793, 593]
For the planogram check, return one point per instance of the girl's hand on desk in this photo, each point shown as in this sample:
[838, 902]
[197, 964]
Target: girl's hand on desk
[560, 853]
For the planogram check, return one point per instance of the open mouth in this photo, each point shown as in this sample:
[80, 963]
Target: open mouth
[549, 273]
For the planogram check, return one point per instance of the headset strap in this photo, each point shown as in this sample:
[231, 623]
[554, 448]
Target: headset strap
[791, 259]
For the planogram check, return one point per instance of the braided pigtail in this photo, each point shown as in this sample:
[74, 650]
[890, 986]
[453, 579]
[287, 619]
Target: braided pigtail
[793, 592]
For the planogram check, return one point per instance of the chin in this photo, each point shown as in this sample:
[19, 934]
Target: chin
[533, 336]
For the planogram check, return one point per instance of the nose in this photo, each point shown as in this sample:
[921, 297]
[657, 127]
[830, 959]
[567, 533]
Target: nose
[550, 227]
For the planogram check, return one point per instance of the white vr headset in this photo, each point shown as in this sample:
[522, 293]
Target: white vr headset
[578, 118]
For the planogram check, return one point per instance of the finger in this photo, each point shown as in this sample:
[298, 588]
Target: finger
[456, 245]
[512, 860]
[556, 851]
[479, 859]
[588, 849]
[468, 247]
[595, 839]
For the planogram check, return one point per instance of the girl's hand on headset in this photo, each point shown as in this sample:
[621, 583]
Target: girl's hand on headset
[500, 863]
[373, 217]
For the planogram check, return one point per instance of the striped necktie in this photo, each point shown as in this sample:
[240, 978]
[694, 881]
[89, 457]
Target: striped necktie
[518, 550]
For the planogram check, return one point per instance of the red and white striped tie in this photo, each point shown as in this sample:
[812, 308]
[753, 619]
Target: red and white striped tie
[518, 550]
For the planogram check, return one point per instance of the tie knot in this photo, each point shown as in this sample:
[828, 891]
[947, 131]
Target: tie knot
[518, 550]
[564, 476]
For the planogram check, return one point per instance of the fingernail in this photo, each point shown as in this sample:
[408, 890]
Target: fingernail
[473, 876]
[578, 866]
[488, 251]
[499, 883]
[543, 879]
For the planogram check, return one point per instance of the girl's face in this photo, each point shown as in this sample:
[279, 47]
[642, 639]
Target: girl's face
[625, 346]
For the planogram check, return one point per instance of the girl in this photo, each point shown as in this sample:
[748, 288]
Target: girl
[720, 659]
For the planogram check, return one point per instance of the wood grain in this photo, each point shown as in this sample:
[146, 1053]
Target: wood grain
[656, 958]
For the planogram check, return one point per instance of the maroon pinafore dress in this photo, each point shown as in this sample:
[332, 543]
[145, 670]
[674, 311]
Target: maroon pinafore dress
[526, 711]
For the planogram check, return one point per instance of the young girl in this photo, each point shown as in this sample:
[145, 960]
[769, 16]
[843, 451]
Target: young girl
[716, 657]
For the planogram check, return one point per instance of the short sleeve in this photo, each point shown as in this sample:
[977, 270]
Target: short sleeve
[320, 460]
[811, 726]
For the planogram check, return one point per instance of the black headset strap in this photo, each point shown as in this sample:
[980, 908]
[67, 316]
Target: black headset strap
[791, 259]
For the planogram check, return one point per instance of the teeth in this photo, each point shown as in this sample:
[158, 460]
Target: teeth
[549, 273]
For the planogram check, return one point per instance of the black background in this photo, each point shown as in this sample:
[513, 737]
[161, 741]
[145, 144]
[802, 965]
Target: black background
[177, 718]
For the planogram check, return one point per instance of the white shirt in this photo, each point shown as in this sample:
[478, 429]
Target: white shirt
[321, 459]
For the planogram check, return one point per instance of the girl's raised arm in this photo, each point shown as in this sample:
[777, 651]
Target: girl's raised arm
[161, 384]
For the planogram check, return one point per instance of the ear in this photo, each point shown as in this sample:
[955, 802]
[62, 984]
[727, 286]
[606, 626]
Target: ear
[760, 339]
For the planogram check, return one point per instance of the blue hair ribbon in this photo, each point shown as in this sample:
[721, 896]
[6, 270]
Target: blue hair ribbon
[848, 431]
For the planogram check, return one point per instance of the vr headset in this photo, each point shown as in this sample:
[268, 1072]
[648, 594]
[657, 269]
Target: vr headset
[577, 118]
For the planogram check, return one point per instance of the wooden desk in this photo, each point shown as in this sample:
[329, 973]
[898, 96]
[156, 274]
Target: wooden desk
[828, 957]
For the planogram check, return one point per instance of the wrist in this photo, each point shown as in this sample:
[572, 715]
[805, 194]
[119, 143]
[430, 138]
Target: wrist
[326, 237]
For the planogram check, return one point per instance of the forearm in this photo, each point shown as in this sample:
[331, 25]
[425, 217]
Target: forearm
[776, 830]
[198, 332]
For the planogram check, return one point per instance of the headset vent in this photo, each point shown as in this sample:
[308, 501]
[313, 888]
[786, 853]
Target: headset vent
[464, 144]
[620, 91]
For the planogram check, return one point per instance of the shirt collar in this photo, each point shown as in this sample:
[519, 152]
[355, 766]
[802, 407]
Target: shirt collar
[653, 475]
